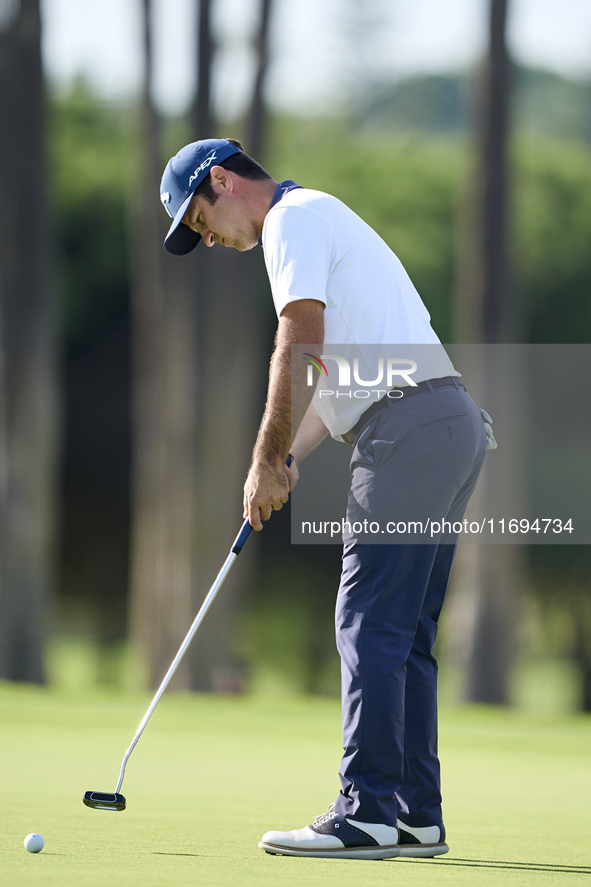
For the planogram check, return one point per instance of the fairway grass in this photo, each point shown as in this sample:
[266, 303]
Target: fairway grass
[211, 774]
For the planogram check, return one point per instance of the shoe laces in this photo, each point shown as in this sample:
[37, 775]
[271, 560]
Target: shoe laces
[324, 816]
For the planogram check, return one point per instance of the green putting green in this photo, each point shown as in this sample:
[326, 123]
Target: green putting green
[211, 774]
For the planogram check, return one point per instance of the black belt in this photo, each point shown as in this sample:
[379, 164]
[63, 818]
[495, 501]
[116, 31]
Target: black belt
[447, 382]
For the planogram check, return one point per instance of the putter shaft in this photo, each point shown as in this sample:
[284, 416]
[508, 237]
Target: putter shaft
[236, 549]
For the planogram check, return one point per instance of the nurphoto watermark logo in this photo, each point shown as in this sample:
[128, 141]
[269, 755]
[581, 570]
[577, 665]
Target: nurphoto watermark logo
[535, 489]
[390, 370]
[314, 361]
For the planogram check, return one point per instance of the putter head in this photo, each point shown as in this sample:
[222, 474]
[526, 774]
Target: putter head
[104, 801]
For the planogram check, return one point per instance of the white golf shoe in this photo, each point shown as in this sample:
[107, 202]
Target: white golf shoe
[334, 837]
[423, 842]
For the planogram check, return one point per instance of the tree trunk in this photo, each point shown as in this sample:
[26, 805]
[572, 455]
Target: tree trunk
[255, 128]
[582, 644]
[28, 378]
[202, 116]
[487, 581]
[164, 411]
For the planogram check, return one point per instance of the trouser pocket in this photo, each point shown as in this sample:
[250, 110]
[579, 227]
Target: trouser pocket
[440, 420]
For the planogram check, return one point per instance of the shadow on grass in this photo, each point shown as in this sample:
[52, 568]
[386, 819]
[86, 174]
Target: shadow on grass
[163, 853]
[502, 864]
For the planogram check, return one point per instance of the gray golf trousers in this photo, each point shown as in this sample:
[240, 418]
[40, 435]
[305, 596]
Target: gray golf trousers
[418, 458]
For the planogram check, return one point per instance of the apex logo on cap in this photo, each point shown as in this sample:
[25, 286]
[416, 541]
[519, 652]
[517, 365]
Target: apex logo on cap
[207, 162]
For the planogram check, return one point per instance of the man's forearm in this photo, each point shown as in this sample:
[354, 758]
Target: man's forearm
[289, 395]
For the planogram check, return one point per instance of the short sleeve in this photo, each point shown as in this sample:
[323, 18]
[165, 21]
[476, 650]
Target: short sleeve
[298, 246]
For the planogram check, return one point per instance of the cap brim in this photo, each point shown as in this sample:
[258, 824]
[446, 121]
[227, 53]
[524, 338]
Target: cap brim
[181, 239]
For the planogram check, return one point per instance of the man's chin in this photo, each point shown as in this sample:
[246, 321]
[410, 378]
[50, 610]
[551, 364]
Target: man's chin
[238, 244]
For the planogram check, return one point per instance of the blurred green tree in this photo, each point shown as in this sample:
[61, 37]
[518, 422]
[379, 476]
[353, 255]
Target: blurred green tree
[544, 102]
[91, 147]
[91, 150]
[552, 225]
[561, 591]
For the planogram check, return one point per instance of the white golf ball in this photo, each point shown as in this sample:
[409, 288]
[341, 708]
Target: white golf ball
[34, 843]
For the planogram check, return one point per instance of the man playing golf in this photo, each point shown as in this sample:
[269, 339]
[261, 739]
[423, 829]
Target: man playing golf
[334, 281]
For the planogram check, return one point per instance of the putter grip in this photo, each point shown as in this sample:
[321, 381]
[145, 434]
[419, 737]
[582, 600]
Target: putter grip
[246, 528]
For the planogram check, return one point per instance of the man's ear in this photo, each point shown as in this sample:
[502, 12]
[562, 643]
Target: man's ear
[221, 179]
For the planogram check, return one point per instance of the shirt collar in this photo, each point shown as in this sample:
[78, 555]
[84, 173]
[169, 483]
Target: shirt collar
[280, 191]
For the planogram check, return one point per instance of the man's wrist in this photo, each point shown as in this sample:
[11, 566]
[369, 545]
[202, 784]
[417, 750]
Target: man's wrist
[268, 460]
[271, 450]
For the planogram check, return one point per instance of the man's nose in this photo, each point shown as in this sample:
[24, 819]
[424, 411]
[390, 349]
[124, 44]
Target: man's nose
[208, 239]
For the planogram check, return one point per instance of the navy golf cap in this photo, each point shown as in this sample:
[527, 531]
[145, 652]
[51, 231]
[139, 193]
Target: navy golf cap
[183, 174]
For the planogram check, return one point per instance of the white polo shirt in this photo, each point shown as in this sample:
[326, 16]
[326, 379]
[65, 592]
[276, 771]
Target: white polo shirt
[317, 248]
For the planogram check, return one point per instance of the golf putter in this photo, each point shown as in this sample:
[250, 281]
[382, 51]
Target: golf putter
[116, 801]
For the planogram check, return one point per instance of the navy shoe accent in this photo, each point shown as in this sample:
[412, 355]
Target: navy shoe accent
[406, 837]
[337, 826]
[425, 842]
